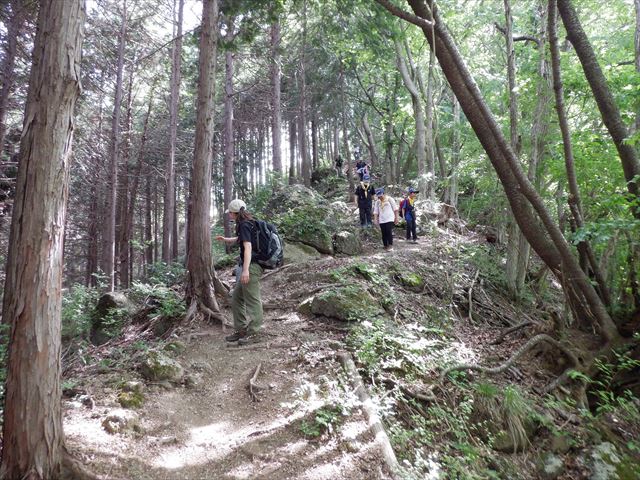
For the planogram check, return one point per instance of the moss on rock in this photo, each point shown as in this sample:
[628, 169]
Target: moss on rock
[158, 367]
[130, 399]
[348, 303]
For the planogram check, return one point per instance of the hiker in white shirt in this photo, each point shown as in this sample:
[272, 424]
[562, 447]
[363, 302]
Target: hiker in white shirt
[385, 214]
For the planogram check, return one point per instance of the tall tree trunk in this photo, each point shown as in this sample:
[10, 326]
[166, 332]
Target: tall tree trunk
[574, 200]
[515, 237]
[229, 145]
[148, 235]
[371, 143]
[122, 234]
[429, 128]
[315, 161]
[292, 151]
[107, 263]
[128, 224]
[33, 439]
[418, 115]
[14, 28]
[345, 134]
[451, 192]
[606, 104]
[304, 153]
[200, 279]
[539, 227]
[276, 104]
[168, 216]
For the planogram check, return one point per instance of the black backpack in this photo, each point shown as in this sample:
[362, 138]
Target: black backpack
[268, 245]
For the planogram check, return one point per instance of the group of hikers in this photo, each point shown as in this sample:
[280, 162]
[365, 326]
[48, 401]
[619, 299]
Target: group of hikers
[374, 206]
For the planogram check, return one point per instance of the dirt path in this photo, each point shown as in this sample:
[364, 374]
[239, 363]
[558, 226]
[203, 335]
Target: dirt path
[214, 430]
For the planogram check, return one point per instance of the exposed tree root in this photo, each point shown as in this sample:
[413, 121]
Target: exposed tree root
[73, 469]
[427, 396]
[521, 351]
[510, 330]
[277, 270]
[372, 416]
[253, 385]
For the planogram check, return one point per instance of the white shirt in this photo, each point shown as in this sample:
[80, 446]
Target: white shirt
[386, 212]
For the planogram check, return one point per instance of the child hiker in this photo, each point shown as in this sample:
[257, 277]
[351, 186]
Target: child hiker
[385, 214]
[246, 302]
[364, 198]
[408, 212]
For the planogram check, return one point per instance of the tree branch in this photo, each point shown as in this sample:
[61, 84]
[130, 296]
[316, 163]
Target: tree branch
[519, 38]
[409, 17]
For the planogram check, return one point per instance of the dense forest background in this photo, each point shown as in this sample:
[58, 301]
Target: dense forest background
[522, 118]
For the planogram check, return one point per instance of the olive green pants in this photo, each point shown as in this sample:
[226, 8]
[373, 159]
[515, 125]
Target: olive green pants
[247, 304]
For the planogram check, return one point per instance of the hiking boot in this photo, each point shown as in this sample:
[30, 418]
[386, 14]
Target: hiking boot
[236, 336]
[250, 338]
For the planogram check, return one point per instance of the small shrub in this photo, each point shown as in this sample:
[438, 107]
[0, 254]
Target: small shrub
[77, 308]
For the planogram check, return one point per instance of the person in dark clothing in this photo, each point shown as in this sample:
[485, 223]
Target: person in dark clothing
[365, 194]
[338, 164]
[246, 303]
[408, 212]
[362, 169]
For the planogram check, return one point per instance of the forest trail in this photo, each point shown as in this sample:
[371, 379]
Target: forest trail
[212, 429]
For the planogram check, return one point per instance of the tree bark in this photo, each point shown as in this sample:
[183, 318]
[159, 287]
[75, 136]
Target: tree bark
[515, 244]
[451, 192]
[168, 216]
[33, 439]
[107, 263]
[605, 101]
[199, 265]
[276, 104]
[229, 144]
[302, 134]
[293, 139]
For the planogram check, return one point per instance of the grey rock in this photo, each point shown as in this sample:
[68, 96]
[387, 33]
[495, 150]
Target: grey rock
[603, 461]
[550, 466]
[349, 303]
[348, 243]
[120, 420]
[158, 367]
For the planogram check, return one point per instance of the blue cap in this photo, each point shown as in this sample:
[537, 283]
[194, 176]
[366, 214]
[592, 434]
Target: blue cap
[412, 190]
[365, 177]
[379, 191]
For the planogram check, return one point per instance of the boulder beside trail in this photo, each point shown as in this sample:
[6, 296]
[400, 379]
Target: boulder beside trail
[108, 314]
[347, 303]
[347, 242]
[158, 367]
[296, 252]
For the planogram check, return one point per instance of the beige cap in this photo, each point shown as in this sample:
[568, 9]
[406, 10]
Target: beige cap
[235, 206]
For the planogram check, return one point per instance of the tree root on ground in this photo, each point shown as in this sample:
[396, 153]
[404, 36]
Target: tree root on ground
[521, 351]
[371, 414]
[73, 469]
[427, 396]
[253, 385]
[510, 330]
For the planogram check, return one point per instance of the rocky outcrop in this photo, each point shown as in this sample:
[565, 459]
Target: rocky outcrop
[347, 243]
[347, 303]
[157, 367]
[108, 317]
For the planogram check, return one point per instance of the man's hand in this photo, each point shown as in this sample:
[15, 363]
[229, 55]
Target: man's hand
[220, 238]
[244, 278]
